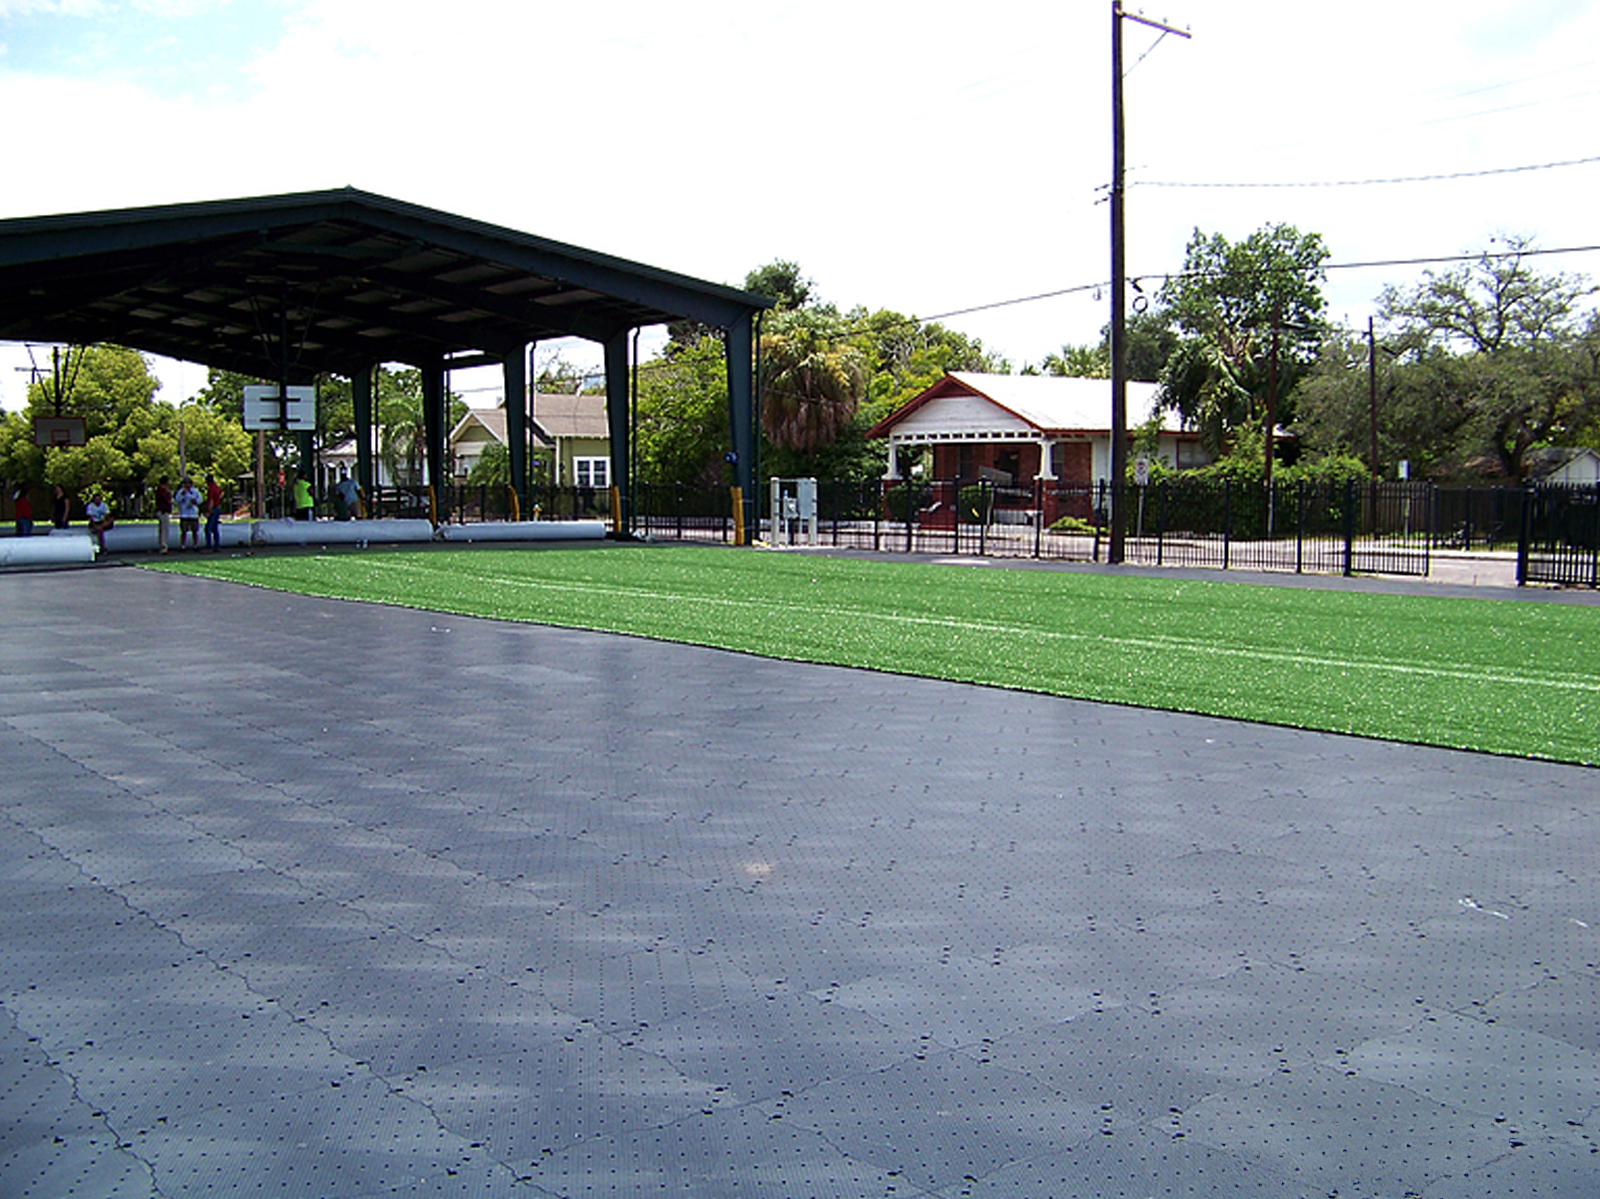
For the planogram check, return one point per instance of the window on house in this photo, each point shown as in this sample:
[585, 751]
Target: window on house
[592, 472]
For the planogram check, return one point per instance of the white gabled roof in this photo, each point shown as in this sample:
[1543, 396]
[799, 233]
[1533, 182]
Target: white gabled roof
[968, 406]
[1057, 403]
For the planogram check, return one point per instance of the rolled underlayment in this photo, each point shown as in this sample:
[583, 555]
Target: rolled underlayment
[126, 539]
[78, 545]
[338, 532]
[526, 530]
[42, 550]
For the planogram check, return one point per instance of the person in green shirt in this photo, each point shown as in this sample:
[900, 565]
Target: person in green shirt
[302, 498]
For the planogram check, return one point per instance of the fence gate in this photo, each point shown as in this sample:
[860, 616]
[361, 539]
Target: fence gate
[1560, 541]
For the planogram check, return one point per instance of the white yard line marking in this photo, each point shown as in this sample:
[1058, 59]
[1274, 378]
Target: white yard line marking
[1150, 643]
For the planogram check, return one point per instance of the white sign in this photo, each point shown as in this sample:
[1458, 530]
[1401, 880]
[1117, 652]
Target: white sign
[263, 409]
[1141, 470]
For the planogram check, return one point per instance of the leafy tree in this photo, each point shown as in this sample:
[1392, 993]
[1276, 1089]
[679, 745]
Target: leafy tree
[1224, 307]
[77, 468]
[493, 467]
[1151, 341]
[1078, 362]
[1504, 348]
[682, 432]
[783, 282]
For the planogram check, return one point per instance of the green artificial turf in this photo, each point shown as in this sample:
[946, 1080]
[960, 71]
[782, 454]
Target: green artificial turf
[1491, 675]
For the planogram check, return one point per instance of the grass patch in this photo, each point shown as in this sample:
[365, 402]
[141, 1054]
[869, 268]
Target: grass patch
[1502, 677]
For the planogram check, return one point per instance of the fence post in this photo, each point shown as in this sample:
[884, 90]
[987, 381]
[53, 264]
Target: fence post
[1594, 546]
[1349, 524]
[1524, 536]
[983, 517]
[1161, 523]
[1227, 520]
[1300, 526]
[1096, 503]
[882, 498]
[1038, 514]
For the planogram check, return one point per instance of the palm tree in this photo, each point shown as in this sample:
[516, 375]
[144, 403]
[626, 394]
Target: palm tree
[811, 380]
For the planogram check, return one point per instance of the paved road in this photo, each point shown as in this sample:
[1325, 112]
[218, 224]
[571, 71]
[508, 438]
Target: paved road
[301, 897]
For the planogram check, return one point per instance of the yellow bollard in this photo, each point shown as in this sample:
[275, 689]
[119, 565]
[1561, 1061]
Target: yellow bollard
[516, 506]
[738, 516]
[616, 509]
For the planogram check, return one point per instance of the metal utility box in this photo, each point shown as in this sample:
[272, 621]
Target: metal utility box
[794, 509]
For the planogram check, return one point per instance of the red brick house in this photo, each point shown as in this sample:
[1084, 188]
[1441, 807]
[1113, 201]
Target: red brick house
[1014, 429]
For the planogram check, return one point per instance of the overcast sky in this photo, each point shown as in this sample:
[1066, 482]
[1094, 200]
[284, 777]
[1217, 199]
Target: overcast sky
[927, 158]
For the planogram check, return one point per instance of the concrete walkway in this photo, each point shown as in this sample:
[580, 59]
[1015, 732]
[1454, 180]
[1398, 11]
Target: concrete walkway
[302, 897]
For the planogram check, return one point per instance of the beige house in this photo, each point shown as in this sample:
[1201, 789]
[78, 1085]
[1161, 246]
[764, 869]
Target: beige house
[572, 439]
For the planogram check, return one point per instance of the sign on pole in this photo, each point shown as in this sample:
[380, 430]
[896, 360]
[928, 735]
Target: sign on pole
[264, 410]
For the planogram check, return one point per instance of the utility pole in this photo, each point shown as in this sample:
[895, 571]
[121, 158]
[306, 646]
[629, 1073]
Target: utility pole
[1372, 399]
[1115, 552]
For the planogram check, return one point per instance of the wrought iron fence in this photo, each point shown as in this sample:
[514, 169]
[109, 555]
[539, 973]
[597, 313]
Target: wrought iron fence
[1389, 528]
[1381, 528]
[1559, 537]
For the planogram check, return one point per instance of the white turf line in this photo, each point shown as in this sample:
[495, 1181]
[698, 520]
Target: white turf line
[1164, 644]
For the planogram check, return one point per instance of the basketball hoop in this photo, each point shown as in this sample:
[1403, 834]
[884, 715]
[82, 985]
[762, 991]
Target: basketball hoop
[53, 431]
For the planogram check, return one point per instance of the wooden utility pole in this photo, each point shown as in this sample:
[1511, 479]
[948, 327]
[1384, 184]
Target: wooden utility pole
[1272, 396]
[1372, 399]
[1116, 550]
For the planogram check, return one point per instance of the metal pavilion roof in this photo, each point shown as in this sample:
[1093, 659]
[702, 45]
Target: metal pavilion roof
[343, 278]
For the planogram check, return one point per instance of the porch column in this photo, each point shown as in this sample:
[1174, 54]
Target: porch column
[1047, 465]
[892, 471]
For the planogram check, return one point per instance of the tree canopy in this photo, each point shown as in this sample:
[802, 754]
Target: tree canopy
[1241, 309]
[1477, 366]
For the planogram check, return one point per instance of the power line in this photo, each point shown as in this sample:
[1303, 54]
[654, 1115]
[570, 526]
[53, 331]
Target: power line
[1539, 166]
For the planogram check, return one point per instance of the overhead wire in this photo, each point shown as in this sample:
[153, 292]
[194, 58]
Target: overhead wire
[1379, 182]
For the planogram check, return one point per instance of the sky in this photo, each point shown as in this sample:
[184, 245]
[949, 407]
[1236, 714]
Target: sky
[930, 159]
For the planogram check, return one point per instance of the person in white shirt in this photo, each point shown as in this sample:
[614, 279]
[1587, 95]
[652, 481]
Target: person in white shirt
[188, 502]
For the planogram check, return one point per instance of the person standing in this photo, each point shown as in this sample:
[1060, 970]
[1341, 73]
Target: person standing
[60, 507]
[188, 499]
[163, 514]
[302, 498]
[213, 514]
[23, 510]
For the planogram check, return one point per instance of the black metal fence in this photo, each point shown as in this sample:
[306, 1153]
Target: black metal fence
[1384, 528]
[1558, 541]
[1390, 528]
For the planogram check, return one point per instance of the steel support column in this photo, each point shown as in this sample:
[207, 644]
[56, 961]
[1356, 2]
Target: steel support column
[516, 379]
[361, 402]
[616, 348]
[742, 416]
[433, 414]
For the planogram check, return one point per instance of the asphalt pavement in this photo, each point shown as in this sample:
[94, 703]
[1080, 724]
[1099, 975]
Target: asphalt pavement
[308, 897]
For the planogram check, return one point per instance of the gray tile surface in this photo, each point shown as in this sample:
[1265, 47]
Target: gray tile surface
[301, 897]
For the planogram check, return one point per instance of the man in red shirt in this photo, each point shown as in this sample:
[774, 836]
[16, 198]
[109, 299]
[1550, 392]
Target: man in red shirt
[24, 510]
[163, 513]
[213, 514]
